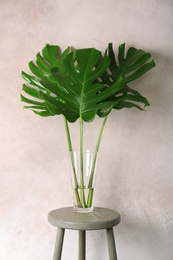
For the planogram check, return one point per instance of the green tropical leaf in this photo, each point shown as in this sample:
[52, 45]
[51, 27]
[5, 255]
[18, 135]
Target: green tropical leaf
[129, 67]
[79, 82]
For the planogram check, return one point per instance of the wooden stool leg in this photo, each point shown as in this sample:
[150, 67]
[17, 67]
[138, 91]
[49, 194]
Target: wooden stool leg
[58, 244]
[111, 244]
[81, 250]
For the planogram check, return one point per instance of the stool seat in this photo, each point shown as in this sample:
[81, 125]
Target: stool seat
[100, 218]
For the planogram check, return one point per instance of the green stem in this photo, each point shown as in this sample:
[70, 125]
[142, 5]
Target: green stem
[91, 190]
[82, 193]
[72, 162]
[68, 135]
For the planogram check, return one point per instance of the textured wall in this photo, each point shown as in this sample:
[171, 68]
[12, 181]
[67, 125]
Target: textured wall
[135, 170]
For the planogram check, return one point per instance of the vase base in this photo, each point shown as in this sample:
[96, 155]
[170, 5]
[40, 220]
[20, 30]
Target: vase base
[83, 210]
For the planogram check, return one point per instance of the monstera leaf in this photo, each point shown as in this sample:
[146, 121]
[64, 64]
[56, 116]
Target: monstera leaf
[82, 83]
[50, 58]
[130, 66]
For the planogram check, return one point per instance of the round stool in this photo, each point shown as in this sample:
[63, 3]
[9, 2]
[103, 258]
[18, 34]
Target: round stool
[100, 218]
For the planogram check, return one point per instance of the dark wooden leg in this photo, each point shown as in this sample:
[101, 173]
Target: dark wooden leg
[81, 250]
[59, 244]
[111, 244]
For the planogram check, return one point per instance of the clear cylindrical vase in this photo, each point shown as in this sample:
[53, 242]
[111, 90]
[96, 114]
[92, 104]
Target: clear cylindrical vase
[83, 179]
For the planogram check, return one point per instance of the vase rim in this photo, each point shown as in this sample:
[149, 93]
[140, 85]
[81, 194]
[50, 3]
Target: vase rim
[84, 150]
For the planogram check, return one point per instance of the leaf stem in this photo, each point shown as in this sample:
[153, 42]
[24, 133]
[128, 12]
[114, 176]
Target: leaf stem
[91, 190]
[82, 187]
[72, 162]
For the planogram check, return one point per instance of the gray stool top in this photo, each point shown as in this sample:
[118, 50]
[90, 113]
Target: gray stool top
[100, 218]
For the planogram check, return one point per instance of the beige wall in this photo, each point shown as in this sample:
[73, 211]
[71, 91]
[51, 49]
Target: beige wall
[136, 155]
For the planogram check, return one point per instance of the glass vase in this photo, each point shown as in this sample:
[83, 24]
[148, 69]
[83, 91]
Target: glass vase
[83, 179]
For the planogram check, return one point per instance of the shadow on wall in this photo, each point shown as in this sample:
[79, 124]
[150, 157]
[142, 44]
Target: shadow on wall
[158, 84]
